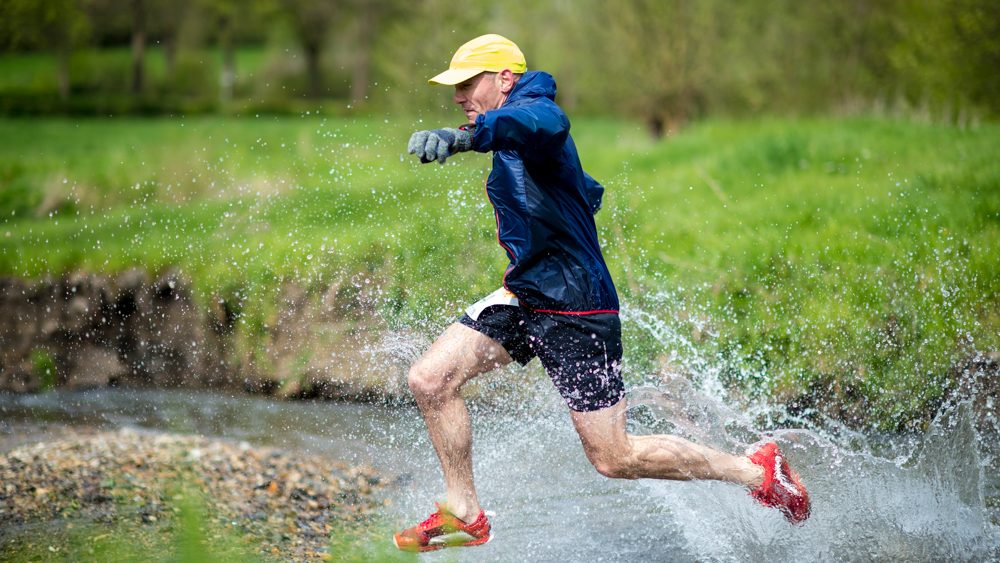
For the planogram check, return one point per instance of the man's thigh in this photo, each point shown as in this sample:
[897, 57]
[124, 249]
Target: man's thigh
[460, 354]
[602, 433]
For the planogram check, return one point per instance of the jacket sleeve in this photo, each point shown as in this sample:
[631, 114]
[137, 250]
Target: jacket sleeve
[539, 126]
[594, 193]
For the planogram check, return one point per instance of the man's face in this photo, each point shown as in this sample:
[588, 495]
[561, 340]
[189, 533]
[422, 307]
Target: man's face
[483, 92]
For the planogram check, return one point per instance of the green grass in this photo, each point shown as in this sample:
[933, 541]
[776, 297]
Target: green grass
[859, 253]
[855, 256]
[43, 365]
[189, 534]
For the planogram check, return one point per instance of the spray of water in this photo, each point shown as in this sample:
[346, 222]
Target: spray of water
[877, 496]
[927, 496]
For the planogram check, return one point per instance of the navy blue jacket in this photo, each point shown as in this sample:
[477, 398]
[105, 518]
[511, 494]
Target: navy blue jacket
[544, 203]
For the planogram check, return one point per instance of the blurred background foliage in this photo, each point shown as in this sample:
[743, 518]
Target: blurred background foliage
[663, 62]
[827, 221]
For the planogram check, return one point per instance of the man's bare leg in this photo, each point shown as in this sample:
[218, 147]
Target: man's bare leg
[457, 356]
[615, 453]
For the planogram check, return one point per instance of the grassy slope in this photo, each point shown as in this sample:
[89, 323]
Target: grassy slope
[858, 255]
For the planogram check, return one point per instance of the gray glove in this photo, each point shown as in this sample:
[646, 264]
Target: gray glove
[439, 144]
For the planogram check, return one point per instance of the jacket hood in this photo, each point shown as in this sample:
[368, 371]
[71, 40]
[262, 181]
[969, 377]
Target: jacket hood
[534, 84]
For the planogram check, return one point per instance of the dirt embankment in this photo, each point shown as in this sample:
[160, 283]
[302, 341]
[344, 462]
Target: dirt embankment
[85, 330]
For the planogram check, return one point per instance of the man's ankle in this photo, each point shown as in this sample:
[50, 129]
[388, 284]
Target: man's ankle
[466, 513]
[755, 474]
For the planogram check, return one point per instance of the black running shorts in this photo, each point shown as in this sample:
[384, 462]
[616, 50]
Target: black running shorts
[581, 353]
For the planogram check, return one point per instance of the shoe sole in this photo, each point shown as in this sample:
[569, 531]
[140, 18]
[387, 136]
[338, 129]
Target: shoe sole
[793, 484]
[443, 544]
[804, 494]
[796, 483]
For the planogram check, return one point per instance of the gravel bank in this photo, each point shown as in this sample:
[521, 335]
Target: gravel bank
[279, 504]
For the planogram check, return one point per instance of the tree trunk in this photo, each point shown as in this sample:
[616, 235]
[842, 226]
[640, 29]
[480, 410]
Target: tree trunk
[656, 125]
[62, 71]
[315, 84]
[227, 81]
[169, 57]
[363, 60]
[138, 45]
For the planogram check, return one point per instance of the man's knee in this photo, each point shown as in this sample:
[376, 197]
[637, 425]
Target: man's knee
[613, 466]
[426, 382]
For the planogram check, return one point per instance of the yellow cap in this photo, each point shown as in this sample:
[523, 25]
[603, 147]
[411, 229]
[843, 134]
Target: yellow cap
[486, 53]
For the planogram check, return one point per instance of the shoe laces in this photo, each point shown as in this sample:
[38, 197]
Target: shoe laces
[434, 520]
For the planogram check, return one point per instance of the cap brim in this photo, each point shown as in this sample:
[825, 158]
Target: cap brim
[454, 76]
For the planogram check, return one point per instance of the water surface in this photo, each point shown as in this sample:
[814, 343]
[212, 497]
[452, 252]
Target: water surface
[918, 498]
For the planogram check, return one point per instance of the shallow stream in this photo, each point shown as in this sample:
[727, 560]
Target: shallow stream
[930, 497]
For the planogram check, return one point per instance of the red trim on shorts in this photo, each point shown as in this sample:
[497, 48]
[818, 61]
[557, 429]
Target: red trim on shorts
[595, 312]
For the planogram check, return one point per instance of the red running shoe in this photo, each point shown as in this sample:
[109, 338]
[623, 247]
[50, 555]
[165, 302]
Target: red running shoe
[444, 529]
[781, 488]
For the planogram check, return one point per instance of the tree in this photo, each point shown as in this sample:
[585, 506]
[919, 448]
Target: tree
[224, 16]
[418, 41]
[948, 54]
[666, 57]
[312, 20]
[227, 23]
[976, 25]
[57, 25]
[165, 18]
[138, 11]
[367, 23]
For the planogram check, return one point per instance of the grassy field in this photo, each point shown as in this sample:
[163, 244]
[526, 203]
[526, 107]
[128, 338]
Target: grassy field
[853, 258]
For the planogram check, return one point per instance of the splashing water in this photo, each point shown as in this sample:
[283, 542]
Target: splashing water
[875, 497]
[927, 503]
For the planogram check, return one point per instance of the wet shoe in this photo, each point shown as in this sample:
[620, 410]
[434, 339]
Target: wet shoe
[781, 488]
[444, 529]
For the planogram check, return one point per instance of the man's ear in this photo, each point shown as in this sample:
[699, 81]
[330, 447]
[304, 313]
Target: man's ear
[506, 81]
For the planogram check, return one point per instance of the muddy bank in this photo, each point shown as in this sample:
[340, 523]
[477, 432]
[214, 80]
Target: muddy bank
[85, 330]
[975, 378]
[276, 503]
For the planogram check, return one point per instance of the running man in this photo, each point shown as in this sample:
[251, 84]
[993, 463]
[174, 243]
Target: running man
[557, 303]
